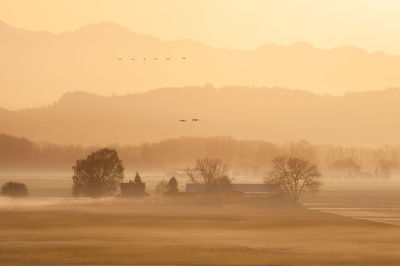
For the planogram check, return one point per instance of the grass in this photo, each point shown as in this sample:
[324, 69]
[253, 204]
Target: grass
[129, 233]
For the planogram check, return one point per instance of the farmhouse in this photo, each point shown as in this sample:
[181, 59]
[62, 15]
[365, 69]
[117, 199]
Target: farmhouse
[132, 189]
[247, 189]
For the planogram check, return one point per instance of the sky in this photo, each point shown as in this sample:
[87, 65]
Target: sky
[240, 24]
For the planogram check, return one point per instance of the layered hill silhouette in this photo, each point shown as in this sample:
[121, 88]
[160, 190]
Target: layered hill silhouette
[38, 67]
[272, 114]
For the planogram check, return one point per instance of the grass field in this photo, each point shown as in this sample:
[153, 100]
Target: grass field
[145, 233]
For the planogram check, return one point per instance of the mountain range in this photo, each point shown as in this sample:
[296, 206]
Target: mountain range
[38, 67]
[272, 114]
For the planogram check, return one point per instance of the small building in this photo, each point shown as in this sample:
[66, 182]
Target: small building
[246, 189]
[132, 189]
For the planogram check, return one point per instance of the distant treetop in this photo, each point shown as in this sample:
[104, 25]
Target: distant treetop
[14, 190]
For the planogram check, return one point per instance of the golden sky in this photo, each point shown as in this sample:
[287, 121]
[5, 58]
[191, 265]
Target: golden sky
[244, 24]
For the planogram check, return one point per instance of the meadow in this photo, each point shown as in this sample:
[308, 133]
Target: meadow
[347, 223]
[116, 232]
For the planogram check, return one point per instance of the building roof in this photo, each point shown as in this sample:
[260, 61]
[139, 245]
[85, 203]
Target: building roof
[245, 188]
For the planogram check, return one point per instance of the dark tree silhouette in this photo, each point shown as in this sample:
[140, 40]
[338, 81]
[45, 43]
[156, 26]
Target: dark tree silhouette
[169, 188]
[99, 175]
[161, 187]
[346, 168]
[384, 168]
[14, 190]
[138, 179]
[211, 172]
[295, 176]
[172, 186]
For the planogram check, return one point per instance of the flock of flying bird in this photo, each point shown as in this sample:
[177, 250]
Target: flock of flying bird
[155, 58]
[167, 59]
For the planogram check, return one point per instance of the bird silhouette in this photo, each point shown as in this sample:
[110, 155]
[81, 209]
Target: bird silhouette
[119, 58]
[182, 120]
[195, 119]
[183, 58]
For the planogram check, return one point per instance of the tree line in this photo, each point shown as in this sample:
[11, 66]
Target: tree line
[177, 153]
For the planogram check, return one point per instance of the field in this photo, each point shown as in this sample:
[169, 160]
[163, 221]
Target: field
[144, 233]
[348, 223]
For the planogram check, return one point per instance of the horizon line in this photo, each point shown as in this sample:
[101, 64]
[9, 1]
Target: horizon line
[286, 45]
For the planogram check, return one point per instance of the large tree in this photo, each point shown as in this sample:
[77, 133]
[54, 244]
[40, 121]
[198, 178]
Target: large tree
[211, 172]
[99, 175]
[295, 176]
[14, 190]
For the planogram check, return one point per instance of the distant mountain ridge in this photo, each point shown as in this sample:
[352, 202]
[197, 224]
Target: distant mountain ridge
[39, 67]
[271, 114]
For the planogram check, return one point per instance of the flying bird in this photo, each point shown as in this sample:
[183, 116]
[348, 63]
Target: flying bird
[195, 119]
[155, 58]
[119, 58]
[132, 58]
[167, 58]
[183, 58]
[182, 120]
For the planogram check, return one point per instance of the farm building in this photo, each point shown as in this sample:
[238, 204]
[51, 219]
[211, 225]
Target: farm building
[132, 189]
[247, 189]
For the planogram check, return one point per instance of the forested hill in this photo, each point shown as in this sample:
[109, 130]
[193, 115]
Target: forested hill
[269, 114]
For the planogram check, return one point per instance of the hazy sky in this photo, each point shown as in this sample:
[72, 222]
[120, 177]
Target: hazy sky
[370, 24]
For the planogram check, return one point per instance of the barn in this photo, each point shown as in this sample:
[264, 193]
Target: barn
[132, 189]
[247, 189]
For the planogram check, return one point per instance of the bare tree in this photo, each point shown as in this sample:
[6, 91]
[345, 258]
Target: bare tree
[210, 172]
[295, 176]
